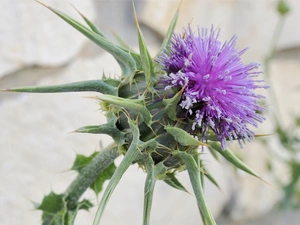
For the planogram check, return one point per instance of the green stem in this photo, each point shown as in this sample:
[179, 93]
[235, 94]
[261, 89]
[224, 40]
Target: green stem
[148, 191]
[194, 174]
[131, 155]
[90, 173]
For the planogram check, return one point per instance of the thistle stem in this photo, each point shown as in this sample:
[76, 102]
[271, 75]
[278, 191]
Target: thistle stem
[148, 192]
[194, 174]
[131, 155]
[90, 173]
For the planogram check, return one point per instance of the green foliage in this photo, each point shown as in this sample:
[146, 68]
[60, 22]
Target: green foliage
[132, 154]
[100, 86]
[171, 106]
[97, 186]
[147, 62]
[169, 34]
[171, 180]
[230, 157]
[205, 173]
[183, 137]
[283, 8]
[109, 128]
[194, 174]
[136, 105]
[289, 139]
[291, 190]
[55, 211]
[128, 64]
[82, 161]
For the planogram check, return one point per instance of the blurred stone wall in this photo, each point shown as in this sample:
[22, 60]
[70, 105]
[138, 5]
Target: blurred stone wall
[38, 48]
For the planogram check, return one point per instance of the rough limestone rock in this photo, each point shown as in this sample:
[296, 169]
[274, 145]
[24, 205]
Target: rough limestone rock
[37, 152]
[253, 22]
[32, 35]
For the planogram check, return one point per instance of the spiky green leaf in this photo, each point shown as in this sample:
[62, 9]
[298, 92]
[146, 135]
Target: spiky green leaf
[146, 59]
[90, 85]
[121, 41]
[171, 106]
[132, 154]
[123, 46]
[227, 154]
[183, 137]
[90, 168]
[110, 129]
[105, 175]
[149, 146]
[135, 105]
[85, 205]
[54, 209]
[171, 180]
[209, 176]
[200, 165]
[213, 153]
[169, 34]
[89, 23]
[82, 161]
[121, 55]
[97, 31]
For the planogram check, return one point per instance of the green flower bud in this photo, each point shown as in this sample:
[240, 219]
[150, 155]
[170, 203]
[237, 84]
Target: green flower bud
[283, 8]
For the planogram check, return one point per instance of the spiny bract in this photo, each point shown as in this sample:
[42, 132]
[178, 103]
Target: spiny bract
[159, 112]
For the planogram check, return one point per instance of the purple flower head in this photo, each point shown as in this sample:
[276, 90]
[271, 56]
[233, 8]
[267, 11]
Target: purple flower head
[217, 87]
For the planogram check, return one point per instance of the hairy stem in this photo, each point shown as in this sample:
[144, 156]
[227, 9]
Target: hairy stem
[194, 174]
[148, 191]
[90, 173]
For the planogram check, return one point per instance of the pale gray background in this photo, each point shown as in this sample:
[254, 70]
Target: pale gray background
[37, 48]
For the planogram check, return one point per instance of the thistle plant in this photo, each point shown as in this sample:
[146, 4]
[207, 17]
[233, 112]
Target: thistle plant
[161, 113]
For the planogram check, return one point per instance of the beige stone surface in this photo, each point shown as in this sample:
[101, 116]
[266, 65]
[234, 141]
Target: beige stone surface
[253, 21]
[32, 35]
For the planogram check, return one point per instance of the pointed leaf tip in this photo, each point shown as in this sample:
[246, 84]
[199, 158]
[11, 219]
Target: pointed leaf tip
[229, 156]
[88, 22]
[125, 59]
[171, 106]
[54, 209]
[171, 180]
[146, 59]
[82, 86]
[169, 34]
[183, 137]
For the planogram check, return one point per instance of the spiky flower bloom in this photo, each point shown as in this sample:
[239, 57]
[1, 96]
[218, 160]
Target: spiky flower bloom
[208, 89]
[217, 87]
